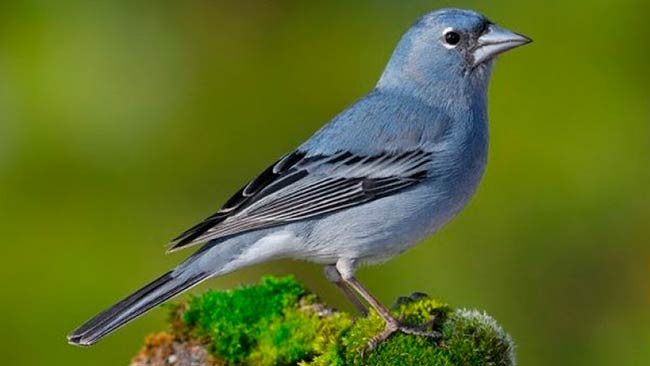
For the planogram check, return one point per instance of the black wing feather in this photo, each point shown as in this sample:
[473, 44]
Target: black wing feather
[298, 188]
[269, 179]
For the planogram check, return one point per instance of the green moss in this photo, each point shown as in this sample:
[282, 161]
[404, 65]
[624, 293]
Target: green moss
[474, 338]
[408, 349]
[279, 323]
[238, 320]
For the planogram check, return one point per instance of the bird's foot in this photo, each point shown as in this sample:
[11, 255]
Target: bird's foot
[397, 326]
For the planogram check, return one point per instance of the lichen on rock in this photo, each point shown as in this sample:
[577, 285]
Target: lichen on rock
[278, 322]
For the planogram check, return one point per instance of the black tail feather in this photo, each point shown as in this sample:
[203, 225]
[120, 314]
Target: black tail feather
[136, 304]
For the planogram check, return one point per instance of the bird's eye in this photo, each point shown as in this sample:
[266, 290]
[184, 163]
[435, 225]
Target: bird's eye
[452, 38]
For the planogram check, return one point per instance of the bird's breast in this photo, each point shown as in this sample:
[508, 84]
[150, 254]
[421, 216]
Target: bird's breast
[457, 172]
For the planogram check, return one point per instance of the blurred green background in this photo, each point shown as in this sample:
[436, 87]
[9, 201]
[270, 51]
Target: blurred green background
[123, 123]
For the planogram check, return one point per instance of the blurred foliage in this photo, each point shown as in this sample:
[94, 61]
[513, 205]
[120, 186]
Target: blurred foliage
[122, 123]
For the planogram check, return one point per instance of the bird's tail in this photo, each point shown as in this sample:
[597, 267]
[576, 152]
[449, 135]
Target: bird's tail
[166, 286]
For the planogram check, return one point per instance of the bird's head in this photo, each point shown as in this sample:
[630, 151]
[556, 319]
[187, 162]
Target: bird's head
[446, 48]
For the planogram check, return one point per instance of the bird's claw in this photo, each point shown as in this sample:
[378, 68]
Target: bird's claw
[376, 340]
[418, 331]
[392, 327]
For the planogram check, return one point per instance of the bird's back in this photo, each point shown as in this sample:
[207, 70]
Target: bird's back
[379, 122]
[383, 121]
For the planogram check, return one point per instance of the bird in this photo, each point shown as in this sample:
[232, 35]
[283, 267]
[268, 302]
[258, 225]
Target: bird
[384, 174]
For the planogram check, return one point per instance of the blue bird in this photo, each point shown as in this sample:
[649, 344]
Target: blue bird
[380, 177]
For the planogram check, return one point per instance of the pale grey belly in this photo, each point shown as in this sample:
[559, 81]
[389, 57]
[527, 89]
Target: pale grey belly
[382, 229]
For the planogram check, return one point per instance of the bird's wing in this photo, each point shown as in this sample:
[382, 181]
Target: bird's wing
[299, 187]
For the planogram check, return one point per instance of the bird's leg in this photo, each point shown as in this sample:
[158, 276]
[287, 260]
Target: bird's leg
[334, 277]
[346, 270]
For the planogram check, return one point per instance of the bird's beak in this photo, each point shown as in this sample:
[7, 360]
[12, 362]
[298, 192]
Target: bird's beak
[496, 40]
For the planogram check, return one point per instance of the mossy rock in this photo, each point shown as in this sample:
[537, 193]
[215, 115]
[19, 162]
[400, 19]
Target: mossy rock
[278, 322]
